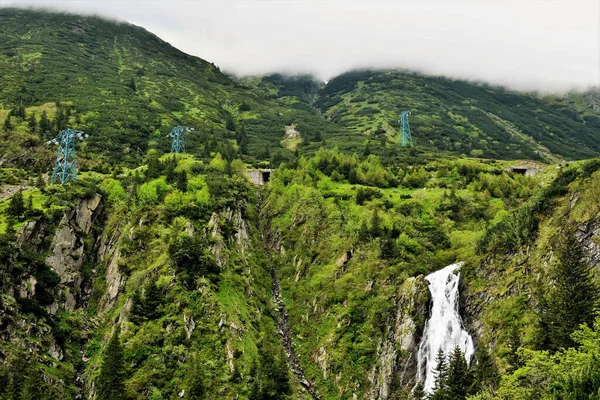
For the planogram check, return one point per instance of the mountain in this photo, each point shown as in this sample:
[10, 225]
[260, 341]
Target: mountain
[172, 276]
[462, 117]
[127, 88]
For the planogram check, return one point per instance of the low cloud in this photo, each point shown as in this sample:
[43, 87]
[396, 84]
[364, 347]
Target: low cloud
[527, 45]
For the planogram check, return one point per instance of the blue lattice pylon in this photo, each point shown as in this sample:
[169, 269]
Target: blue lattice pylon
[65, 167]
[177, 135]
[406, 138]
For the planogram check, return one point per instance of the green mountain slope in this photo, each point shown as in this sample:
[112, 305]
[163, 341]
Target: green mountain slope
[127, 88]
[461, 117]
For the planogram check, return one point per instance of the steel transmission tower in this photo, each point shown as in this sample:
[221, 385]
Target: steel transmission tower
[65, 167]
[177, 135]
[406, 138]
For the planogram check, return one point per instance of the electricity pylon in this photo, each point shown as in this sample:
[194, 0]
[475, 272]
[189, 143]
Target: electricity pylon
[177, 135]
[406, 138]
[65, 167]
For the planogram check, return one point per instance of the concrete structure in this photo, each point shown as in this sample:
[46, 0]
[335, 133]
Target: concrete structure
[259, 177]
[526, 168]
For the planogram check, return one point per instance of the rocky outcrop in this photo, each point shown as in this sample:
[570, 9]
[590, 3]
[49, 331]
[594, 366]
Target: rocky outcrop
[215, 232]
[67, 255]
[397, 349]
[32, 235]
[241, 232]
[588, 234]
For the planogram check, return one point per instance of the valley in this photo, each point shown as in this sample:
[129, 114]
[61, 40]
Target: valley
[295, 249]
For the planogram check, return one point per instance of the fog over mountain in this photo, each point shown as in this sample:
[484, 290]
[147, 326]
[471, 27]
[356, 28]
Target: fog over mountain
[532, 45]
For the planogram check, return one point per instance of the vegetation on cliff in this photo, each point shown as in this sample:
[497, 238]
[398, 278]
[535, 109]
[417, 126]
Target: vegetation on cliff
[152, 277]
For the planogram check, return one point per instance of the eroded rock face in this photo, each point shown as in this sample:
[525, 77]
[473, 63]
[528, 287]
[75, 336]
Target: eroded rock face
[241, 236]
[397, 350]
[588, 234]
[67, 255]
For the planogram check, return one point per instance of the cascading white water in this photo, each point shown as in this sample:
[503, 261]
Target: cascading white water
[444, 329]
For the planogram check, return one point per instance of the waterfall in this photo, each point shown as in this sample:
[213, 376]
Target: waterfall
[444, 328]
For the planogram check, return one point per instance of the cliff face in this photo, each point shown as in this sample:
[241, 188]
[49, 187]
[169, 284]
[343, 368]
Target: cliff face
[396, 363]
[67, 255]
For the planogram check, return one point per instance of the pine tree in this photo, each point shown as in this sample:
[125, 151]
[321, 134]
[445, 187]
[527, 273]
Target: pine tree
[110, 382]
[363, 233]
[131, 84]
[16, 207]
[574, 298]
[376, 225]
[28, 204]
[486, 371]
[21, 113]
[33, 385]
[60, 119]
[460, 379]
[40, 183]
[584, 385]
[45, 125]
[242, 140]
[7, 125]
[441, 374]
[418, 393]
[153, 299]
[195, 387]
[230, 123]
[32, 123]
[271, 376]
[154, 168]
[182, 181]
[17, 371]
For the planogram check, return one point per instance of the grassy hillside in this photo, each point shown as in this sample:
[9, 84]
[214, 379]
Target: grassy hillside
[127, 88]
[461, 117]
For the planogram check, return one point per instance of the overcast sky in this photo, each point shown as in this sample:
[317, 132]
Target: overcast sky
[547, 45]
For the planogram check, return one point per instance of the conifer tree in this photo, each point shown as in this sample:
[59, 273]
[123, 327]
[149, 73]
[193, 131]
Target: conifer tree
[182, 181]
[7, 124]
[45, 125]
[16, 207]
[152, 301]
[376, 225]
[418, 393]
[110, 382]
[441, 375]
[242, 140]
[28, 205]
[271, 376]
[40, 183]
[33, 385]
[574, 298]
[60, 119]
[363, 233]
[485, 371]
[32, 124]
[154, 168]
[460, 379]
[230, 123]
[195, 387]
[18, 369]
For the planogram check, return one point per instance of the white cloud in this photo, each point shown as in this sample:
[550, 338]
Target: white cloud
[546, 45]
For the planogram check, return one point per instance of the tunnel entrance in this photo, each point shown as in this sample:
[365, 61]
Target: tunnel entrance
[266, 175]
